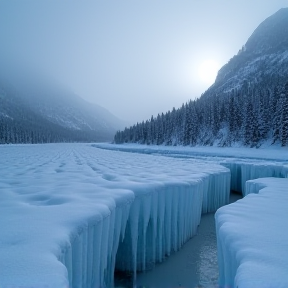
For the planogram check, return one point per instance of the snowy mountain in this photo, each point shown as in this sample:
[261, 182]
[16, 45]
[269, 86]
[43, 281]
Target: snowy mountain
[247, 105]
[264, 54]
[37, 109]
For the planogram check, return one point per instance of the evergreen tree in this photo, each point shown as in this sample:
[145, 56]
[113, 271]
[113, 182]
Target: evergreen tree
[249, 114]
[284, 116]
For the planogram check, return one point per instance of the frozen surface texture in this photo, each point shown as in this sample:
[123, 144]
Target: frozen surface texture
[252, 237]
[273, 153]
[244, 163]
[71, 212]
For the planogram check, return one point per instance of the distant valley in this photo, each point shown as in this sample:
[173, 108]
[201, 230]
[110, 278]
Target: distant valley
[35, 109]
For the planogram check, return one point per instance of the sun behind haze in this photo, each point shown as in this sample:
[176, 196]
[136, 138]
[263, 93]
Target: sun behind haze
[208, 71]
[135, 58]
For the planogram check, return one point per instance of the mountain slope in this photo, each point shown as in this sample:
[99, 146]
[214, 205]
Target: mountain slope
[247, 104]
[265, 53]
[27, 101]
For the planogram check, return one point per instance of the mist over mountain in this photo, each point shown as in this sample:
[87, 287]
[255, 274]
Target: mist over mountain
[247, 104]
[35, 108]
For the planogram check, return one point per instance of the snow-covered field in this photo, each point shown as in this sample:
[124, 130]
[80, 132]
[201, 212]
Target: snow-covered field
[71, 213]
[66, 207]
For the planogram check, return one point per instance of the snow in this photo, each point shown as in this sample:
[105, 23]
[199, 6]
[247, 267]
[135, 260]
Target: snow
[275, 153]
[245, 170]
[252, 233]
[252, 237]
[4, 115]
[71, 212]
[244, 163]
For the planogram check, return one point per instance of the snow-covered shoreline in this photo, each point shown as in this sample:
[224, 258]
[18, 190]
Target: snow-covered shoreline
[273, 153]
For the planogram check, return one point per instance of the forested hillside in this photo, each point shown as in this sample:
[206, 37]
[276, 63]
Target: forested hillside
[247, 104]
[18, 124]
[248, 116]
[35, 109]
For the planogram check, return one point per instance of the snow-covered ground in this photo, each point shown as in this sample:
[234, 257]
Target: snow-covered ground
[70, 213]
[244, 163]
[252, 237]
[66, 207]
[274, 153]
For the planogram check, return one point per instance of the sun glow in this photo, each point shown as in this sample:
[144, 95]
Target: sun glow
[208, 71]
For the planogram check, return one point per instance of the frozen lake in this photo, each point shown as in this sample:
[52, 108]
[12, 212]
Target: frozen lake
[71, 213]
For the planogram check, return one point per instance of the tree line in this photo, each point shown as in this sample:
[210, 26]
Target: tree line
[248, 115]
[19, 124]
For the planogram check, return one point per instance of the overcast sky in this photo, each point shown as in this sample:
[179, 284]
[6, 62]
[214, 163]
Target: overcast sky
[135, 58]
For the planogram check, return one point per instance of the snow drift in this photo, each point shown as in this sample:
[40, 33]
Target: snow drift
[252, 237]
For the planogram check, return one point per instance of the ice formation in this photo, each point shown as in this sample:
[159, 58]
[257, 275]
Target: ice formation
[242, 171]
[252, 237]
[71, 212]
[252, 233]
[244, 163]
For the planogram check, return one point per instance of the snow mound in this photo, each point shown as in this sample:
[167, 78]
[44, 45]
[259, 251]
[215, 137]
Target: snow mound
[252, 237]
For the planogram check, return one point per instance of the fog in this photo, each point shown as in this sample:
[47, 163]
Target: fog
[135, 58]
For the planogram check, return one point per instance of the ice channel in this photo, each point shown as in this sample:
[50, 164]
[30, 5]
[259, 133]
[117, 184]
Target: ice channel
[252, 232]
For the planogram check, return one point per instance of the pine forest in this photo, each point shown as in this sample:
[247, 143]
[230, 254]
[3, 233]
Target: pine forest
[250, 115]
